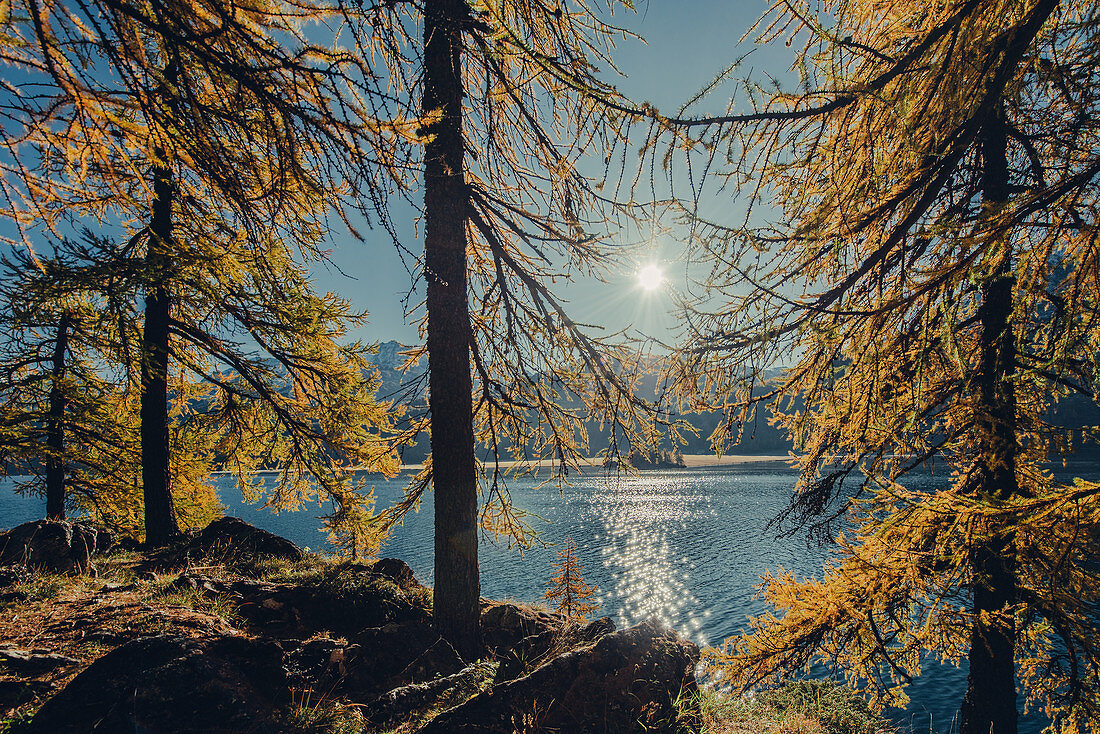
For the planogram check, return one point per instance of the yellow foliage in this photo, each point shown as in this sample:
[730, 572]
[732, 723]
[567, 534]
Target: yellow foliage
[931, 277]
[567, 587]
[223, 106]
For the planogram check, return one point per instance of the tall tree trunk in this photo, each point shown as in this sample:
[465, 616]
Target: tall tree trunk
[55, 425]
[989, 706]
[457, 586]
[160, 514]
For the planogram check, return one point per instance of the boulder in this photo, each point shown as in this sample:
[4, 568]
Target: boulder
[531, 652]
[319, 663]
[50, 545]
[127, 543]
[232, 538]
[205, 585]
[343, 602]
[396, 706]
[397, 654]
[172, 684]
[504, 625]
[396, 570]
[438, 658]
[375, 661]
[626, 681]
[105, 540]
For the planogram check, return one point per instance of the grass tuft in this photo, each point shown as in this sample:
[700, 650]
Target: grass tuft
[839, 709]
[39, 586]
[118, 566]
[799, 707]
[324, 716]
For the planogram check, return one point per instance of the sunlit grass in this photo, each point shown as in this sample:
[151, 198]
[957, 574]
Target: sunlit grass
[800, 707]
[312, 713]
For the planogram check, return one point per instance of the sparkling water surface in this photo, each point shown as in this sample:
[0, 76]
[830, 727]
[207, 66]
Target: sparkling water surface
[686, 546]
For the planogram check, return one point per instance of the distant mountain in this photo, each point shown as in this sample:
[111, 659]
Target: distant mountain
[759, 437]
[406, 388]
[389, 355]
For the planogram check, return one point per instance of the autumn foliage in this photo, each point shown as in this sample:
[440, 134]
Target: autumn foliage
[921, 250]
[167, 188]
[567, 587]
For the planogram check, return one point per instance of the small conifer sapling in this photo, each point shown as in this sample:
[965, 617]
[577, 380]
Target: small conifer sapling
[567, 586]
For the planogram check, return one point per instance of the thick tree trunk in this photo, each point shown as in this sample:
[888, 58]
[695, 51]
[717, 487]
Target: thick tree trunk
[457, 586]
[989, 706]
[160, 514]
[55, 425]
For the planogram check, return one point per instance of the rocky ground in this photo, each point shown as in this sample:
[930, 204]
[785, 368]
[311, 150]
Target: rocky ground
[237, 630]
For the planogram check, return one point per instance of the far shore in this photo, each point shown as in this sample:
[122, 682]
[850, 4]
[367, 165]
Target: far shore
[691, 461]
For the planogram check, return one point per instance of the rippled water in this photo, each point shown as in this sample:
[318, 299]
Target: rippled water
[686, 546]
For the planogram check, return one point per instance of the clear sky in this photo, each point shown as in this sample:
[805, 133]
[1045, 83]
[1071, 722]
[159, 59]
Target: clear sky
[687, 43]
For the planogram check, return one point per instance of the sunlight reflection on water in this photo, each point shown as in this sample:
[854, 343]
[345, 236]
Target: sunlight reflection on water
[647, 574]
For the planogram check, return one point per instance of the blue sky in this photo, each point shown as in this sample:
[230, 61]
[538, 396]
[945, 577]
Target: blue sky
[687, 43]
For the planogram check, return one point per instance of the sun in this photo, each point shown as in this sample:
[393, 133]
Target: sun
[650, 277]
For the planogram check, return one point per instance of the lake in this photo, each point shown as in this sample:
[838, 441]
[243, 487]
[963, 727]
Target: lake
[686, 546]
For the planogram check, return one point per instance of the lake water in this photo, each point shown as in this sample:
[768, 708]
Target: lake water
[686, 546]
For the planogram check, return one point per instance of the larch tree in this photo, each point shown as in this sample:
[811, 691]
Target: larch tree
[202, 142]
[70, 415]
[930, 275]
[509, 102]
[58, 404]
[567, 587]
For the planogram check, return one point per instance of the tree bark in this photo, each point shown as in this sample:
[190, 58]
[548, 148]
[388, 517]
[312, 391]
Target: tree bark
[456, 607]
[55, 425]
[989, 706]
[160, 514]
